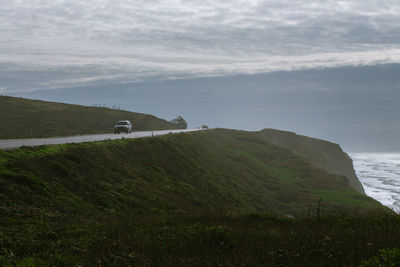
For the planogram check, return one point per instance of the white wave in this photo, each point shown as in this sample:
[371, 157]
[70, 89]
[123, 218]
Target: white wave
[379, 173]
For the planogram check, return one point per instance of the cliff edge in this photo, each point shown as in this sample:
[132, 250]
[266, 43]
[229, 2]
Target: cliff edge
[320, 153]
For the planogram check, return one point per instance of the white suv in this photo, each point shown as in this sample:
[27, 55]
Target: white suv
[123, 126]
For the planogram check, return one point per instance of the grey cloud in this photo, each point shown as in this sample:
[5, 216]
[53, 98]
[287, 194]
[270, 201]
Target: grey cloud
[132, 40]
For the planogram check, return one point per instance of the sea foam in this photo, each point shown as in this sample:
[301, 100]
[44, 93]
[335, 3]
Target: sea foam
[379, 174]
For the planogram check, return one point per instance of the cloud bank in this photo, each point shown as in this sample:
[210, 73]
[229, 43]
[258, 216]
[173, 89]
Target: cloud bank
[54, 44]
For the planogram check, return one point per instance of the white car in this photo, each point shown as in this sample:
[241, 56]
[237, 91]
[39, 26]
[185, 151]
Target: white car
[123, 126]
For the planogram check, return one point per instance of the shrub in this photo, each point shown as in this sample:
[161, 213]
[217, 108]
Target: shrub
[386, 257]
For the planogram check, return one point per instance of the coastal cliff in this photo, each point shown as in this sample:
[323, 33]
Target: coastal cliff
[320, 153]
[224, 197]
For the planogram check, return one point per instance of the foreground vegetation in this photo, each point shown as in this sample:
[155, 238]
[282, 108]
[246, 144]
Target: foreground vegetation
[25, 118]
[208, 240]
[216, 197]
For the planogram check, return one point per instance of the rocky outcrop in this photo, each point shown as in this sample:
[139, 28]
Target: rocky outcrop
[320, 153]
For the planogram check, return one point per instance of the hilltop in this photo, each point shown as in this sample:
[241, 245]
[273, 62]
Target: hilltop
[181, 199]
[26, 118]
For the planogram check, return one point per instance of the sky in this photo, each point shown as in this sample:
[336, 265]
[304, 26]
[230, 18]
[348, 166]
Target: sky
[217, 61]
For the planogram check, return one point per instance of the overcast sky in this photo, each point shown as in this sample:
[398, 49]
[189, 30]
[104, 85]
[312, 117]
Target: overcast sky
[150, 56]
[59, 43]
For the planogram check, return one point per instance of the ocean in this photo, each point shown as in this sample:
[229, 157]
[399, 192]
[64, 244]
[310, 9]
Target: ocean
[379, 174]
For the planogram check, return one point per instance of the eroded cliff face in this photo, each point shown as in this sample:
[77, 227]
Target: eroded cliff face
[320, 153]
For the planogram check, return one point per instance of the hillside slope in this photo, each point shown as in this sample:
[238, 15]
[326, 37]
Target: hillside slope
[218, 170]
[25, 118]
[181, 200]
[320, 153]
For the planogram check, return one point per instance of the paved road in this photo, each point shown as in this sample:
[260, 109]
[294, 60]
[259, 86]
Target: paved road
[15, 143]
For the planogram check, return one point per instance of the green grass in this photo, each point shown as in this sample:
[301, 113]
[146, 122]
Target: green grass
[282, 174]
[214, 170]
[212, 240]
[180, 200]
[25, 118]
[344, 197]
[320, 153]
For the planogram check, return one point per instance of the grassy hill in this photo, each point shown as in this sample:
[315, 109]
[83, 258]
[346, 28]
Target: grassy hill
[25, 118]
[218, 197]
[218, 170]
[320, 153]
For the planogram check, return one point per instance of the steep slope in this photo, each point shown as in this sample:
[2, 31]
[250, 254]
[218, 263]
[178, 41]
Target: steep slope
[25, 118]
[182, 200]
[217, 170]
[320, 153]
